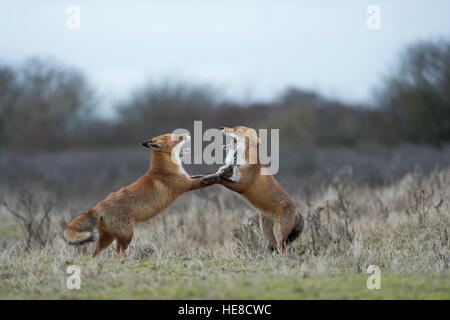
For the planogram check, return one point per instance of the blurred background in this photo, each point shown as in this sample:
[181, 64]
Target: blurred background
[354, 91]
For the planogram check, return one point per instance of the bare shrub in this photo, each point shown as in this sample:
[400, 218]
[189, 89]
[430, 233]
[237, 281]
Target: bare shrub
[422, 204]
[248, 236]
[330, 227]
[319, 234]
[33, 216]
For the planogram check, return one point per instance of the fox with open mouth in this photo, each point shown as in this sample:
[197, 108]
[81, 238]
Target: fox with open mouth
[243, 173]
[115, 216]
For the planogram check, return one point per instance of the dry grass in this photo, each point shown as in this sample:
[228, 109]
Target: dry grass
[210, 240]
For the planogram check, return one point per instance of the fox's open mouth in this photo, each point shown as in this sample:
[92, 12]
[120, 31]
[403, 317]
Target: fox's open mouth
[185, 150]
[231, 144]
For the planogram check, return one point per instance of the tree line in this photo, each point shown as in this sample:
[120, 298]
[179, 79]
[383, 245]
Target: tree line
[44, 105]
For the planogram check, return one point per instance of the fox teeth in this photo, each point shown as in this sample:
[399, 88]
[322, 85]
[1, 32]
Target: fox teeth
[229, 145]
[185, 150]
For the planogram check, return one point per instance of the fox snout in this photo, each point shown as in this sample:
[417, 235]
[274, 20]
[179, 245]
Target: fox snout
[145, 143]
[187, 137]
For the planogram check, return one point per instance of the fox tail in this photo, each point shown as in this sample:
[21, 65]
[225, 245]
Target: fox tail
[80, 229]
[298, 228]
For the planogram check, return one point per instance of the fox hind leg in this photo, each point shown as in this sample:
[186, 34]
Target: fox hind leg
[103, 241]
[122, 245]
[281, 230]
[123, 238]
[280, 238]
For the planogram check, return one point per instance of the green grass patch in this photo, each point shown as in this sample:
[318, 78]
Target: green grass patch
[197, 278]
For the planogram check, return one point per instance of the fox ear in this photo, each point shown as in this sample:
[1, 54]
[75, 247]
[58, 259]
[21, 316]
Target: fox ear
[256, 140]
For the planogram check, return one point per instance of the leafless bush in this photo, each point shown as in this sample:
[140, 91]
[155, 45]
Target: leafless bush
[248, 236]
[33, 216]
[319, 234]
[384, 209]
[422, 203]
[330, 226]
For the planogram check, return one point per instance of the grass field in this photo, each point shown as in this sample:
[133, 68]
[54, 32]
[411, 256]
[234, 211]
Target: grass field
[210, 247]
[210, 278]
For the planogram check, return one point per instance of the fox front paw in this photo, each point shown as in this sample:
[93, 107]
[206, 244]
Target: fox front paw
[227, 173]
[208, 180]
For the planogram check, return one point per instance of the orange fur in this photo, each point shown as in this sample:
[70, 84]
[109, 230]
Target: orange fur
[279, 219]
[115, 216]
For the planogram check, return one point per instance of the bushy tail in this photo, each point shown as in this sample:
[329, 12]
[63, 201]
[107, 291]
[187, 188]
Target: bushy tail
[298, 228]
[80, 229]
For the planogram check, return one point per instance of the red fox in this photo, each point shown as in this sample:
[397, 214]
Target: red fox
[279, 219]
[115, 216]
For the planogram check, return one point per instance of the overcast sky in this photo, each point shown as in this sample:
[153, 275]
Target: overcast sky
[248, 49]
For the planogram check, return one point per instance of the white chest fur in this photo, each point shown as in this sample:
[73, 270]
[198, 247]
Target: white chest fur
[234, 158]
[176, 158]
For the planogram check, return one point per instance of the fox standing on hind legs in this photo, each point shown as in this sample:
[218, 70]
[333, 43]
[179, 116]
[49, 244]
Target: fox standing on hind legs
[243, 173]
[114, 217]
